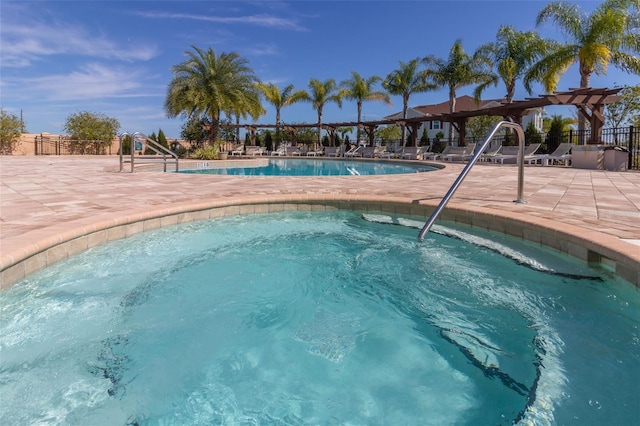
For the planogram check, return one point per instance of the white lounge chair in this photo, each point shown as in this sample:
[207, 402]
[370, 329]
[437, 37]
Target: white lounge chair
[282, 150]
[261, 150]
[437, 155]
[413, 153]
[333, 151]
[295, 151]
[488, 153]
[316, 153]
[251, 150]
[529, 157]
[354, 151]
[238, 150]
[390, 152]
[459, 153]
[369, 152]
[562, 154]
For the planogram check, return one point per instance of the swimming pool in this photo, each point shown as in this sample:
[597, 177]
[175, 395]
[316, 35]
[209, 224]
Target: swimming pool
[318, 318]
[306, 167]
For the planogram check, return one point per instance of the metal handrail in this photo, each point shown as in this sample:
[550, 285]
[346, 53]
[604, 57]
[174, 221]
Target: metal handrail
[151, 144]
[472, 161]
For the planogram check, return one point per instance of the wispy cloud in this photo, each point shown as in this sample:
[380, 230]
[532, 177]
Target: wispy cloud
[24, 44]
[93, 81]
[263, 20]
[262, 50]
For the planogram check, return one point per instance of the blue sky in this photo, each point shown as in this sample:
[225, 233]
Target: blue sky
[115, 57]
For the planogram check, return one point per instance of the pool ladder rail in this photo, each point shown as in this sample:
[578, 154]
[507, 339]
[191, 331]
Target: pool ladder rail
[479, 150]
[139, 140]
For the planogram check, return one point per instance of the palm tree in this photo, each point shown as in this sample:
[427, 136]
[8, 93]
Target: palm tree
[404, 82]
[319, 94]
[512, 54]
[359, 89]
[210, 84]
[280, 99]
[458, 70]
[609, 35]
[249, 106]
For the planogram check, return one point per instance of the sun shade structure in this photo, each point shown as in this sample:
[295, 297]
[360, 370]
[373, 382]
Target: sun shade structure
[590, 103]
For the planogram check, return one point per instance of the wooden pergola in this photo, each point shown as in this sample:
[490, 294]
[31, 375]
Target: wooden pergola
[590, 103]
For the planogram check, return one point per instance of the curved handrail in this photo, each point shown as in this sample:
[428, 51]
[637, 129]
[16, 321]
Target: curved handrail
[151, 144]
[121, 137]
[472, 161]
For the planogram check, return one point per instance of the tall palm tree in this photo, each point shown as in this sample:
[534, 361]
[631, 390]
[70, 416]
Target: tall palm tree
[512, 54]
[248, 106]
[211, 84]
[609, 35]
[321, 92]
[404, 82]
[458, 70]
[361, 89]
[280, 99]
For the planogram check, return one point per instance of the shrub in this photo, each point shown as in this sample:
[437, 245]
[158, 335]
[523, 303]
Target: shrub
[210, 152]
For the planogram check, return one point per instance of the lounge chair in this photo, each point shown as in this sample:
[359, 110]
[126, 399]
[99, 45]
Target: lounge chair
[488, 153]
[459, 153]
[413, 153]
[437, 155]
[238, 150]
[333, 151]
[251, 150]
[529, 157]
[354, 151]
[369, 152]
[295, 151]
[317, 152]
[390, 152]
[561, 154]
[282, 150]
[261, 150]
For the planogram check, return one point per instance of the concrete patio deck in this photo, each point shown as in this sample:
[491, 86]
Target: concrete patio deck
[52, 207]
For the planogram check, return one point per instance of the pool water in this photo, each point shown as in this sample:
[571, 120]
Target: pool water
[318, 318]
[310, 167]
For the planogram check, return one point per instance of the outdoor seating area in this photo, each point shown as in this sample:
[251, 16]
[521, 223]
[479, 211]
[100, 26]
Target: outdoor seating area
[496, 154]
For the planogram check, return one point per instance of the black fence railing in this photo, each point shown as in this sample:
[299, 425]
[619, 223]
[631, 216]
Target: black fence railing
[626, 137]
[60, 145]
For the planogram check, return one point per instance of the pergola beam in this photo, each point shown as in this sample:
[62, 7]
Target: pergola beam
[589, 102]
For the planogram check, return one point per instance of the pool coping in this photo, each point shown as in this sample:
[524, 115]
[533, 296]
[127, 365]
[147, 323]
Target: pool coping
[591, 247]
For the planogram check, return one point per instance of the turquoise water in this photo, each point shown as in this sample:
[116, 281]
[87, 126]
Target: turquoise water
[318, 318]
[309, 167]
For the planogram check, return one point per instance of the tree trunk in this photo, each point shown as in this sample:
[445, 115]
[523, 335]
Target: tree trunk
[214, 129]
[277, 127]
[319, 129]
[585, 81]
[405, 105]
[511, 89]
[452, 109]
[359, 116]
[238, 129]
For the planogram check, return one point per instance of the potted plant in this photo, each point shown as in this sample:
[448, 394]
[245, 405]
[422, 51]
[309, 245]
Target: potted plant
[220, 153]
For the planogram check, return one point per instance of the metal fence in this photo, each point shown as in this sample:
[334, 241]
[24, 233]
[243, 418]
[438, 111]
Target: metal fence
[626, 137]
[60, 145]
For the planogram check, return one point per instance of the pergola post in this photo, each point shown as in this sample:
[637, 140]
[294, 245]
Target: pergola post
[414, 133]
[252, 133]
[332, 134]
[372, 134]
